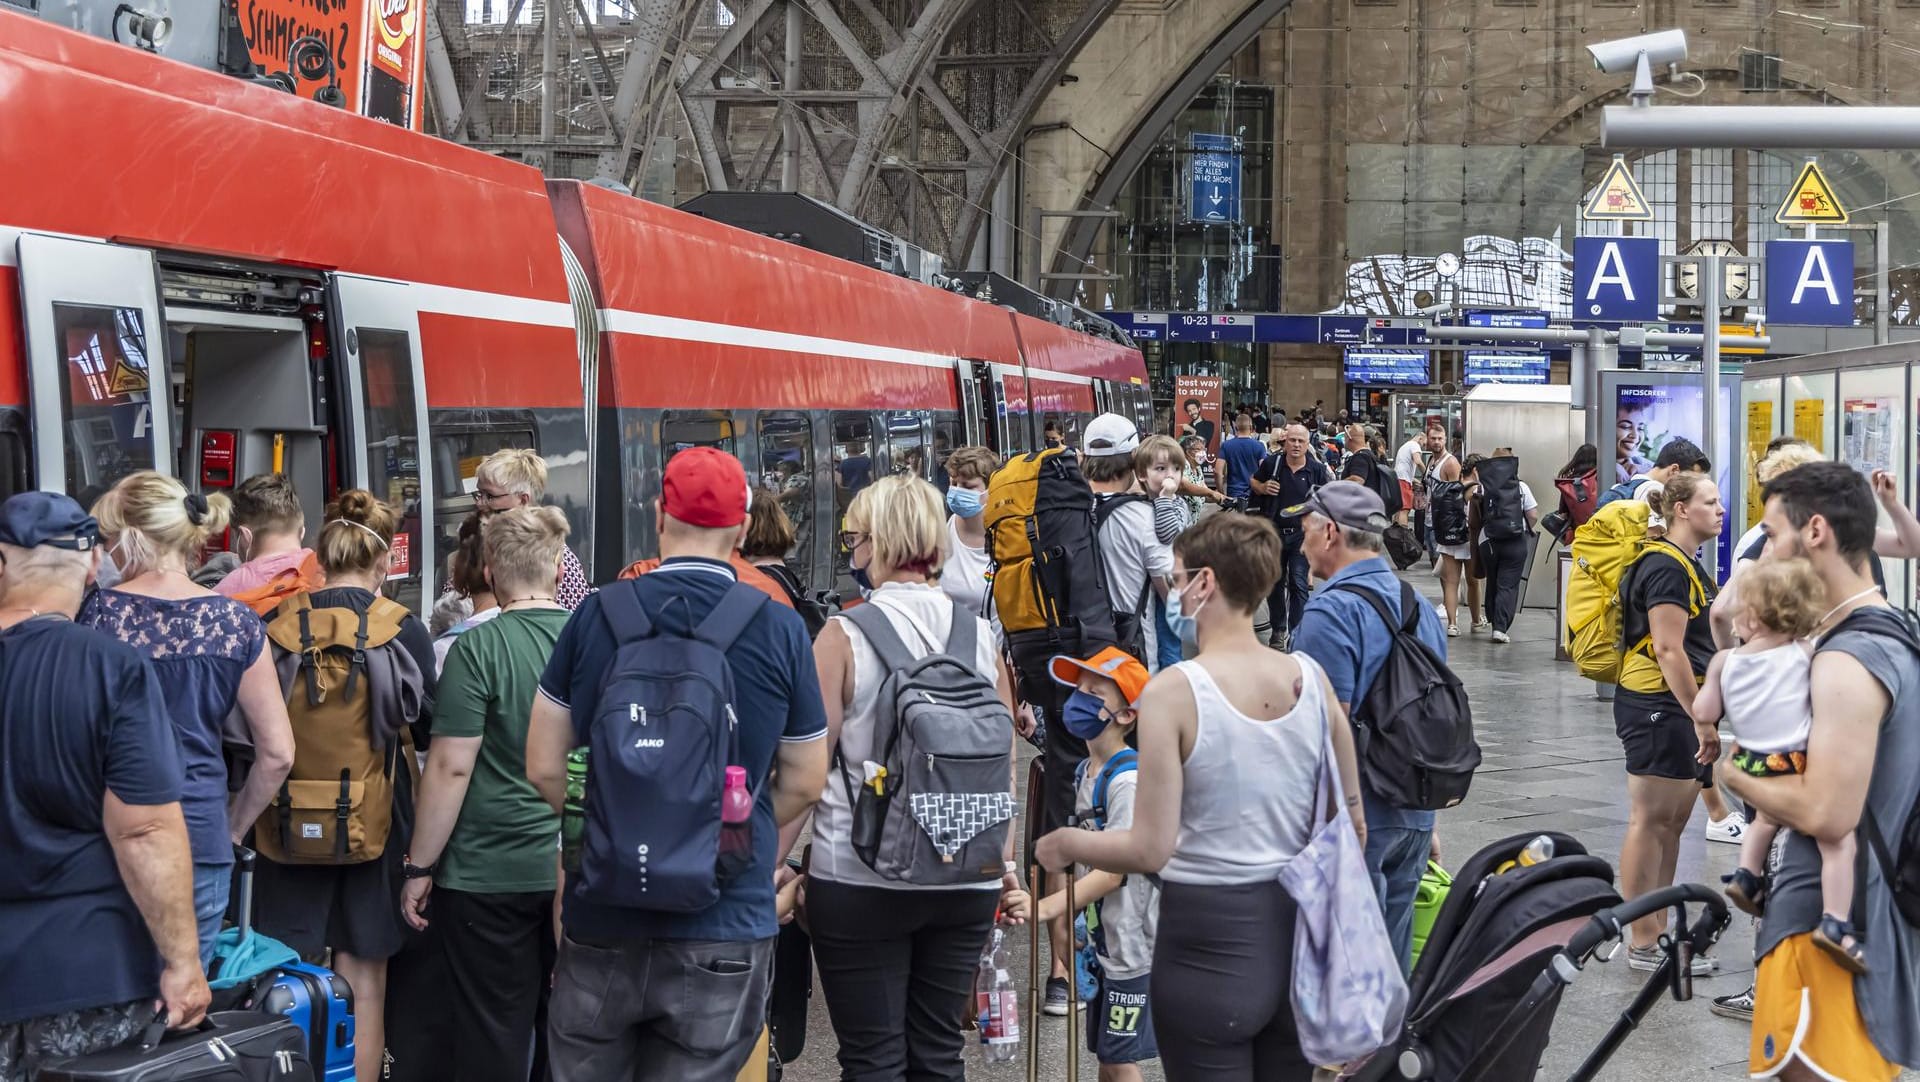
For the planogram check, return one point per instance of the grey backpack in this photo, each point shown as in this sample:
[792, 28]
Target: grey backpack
[940, 813]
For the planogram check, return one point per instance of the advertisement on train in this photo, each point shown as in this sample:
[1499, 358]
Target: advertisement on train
[371, 50]
[1199, 403]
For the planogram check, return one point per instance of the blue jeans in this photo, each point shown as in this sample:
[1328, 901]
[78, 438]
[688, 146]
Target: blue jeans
[211, 885]
[1397, 858]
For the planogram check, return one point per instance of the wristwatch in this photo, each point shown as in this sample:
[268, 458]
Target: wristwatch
[410, 870]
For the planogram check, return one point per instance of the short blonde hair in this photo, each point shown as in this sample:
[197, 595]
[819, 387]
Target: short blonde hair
[357, 534]
[1783, 596]
[1790, 457]
[972, 463]
[522, 546]
[149, 516]
[1154, 447]
[906, 520]
[515, 469]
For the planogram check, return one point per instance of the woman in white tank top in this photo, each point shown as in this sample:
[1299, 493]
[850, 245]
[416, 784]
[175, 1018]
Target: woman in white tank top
[1230, 753]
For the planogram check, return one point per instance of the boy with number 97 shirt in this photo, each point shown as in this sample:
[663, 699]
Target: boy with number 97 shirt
[1124, 908]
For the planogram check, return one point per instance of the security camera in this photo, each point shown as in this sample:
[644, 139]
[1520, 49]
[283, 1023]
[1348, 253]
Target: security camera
[1623, 55]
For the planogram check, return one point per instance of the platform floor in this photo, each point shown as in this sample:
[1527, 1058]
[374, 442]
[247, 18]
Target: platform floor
[1551, 762]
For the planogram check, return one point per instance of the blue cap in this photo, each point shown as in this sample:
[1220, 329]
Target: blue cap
[31, 519]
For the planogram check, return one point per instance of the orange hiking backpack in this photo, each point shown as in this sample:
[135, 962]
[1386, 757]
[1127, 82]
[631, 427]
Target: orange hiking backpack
[267, 596]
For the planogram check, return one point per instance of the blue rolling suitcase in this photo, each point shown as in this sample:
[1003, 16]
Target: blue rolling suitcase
[314, 998]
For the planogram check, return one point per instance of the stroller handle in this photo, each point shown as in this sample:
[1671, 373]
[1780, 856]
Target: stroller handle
[1608, 924]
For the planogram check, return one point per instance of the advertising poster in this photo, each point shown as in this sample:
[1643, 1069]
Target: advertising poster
[1646, 419]
[1866, 434]
[374, 46]
[1197, 403]
[1810, 422]
[1759, 434]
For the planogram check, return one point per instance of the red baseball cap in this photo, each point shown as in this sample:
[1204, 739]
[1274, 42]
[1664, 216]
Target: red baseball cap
[705, 487]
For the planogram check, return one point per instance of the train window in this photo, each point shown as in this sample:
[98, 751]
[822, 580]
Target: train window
[907, 442]
[786, 461]
[393, 448]
[852, 471]
[681, 429]
[457, 453]
[948, 433]
[106, 406]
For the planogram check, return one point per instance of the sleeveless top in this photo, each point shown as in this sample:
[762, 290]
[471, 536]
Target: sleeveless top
[1247, 803]
[1768, 698]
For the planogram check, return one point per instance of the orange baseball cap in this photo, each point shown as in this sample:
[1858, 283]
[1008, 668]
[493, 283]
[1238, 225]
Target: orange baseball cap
[1113, 663]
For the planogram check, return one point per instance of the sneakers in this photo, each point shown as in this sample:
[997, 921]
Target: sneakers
[1731, 830]
[1056, 997]
[1738, 1006]
[1501, 636]
[1453, 631]
[1648, 959]
[1482, 625]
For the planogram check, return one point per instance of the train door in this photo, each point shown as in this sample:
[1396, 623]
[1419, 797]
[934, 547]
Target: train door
[1010, 413]
[787, 470]
[378, 336]
[1103, 397]
[977, 417]
[98, 386]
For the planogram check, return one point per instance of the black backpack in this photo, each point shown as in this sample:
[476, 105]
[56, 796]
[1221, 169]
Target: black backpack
[1447, 501]
[1500, 504]
[815, 608]
[1418, 748]
[1902, 874]
[1378, 478]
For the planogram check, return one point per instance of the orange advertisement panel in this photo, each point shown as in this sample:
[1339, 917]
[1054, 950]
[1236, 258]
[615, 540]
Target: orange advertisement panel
[375, 47]
[1196, 408]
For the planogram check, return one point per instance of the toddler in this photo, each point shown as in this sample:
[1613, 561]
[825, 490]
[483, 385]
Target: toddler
[1762, 687]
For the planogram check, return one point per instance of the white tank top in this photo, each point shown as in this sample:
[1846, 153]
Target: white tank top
[1769, 701]
[1246, 804]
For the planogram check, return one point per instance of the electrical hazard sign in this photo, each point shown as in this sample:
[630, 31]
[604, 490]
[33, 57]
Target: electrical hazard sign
[1618, 198]
[1811, 200]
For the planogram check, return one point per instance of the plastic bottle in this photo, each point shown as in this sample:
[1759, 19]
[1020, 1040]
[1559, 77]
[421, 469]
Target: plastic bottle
[1537, 851]
[736, 825]
[999, 1003]
[736, 804]
[573, 817]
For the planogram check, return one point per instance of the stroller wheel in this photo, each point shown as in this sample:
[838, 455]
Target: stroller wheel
[1415, 1063]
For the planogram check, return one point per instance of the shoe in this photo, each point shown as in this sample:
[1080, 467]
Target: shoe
[1842, 944]
[1746, 890]
[1501, 636]
[1648, 959]
[1738, 1006]
[1731, 830]
[1056, 997]
[1453, 631]
[1482, 625]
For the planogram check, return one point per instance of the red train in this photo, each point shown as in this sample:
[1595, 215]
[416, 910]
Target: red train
[215, 279]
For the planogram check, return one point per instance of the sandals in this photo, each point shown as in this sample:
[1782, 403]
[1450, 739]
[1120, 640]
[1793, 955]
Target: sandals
[1831, 936]
[1747, 890]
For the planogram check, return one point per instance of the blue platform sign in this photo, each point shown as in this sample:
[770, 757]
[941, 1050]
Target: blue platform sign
[1213, 172]
[1810, 282]
[1616, 278]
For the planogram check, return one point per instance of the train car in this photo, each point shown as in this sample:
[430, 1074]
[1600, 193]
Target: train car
[214, 280]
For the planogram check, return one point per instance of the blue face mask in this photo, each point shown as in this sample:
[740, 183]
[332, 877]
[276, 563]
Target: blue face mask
[1084, 715]
[1184, 624]
[965, 502]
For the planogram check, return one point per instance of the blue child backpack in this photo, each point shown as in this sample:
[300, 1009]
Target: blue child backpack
[659, 745]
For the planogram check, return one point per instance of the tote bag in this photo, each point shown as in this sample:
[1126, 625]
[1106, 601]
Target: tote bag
[1349, 995]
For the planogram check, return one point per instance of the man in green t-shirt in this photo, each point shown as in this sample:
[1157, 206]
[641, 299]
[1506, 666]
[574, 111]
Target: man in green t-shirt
[485, 847]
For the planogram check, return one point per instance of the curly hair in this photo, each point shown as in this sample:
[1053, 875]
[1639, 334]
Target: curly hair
[1783, 596]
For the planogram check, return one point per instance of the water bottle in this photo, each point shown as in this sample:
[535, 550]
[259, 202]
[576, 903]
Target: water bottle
[574, 813]
[736, 825]
[999, 1002]
[736, 804]
[1537, 851]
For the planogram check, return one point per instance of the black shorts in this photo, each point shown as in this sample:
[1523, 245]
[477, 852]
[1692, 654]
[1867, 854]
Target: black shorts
[1120, 1021]
[1658, 737]
[349, 907]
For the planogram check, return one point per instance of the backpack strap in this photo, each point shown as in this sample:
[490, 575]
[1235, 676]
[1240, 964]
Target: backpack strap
[303, 611]
[963, 635]
[1380, 606]
[358, 663]
[625, 616]
[736, 609]
[873, 623]
[1119, 763]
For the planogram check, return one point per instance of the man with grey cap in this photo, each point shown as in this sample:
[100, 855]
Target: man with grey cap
[1343, 526]
[96, 893]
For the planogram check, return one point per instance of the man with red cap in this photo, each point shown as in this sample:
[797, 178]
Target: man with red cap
[647, 984]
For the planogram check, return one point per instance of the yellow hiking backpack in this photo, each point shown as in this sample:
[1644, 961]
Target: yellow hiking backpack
[1048, 582]
[1604, 547]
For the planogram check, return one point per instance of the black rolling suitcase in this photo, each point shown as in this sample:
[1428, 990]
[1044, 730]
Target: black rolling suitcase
[230, 1046]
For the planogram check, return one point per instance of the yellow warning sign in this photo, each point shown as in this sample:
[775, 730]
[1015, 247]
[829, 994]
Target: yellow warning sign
[125, 379]
[1618, 198]
[1811, 200]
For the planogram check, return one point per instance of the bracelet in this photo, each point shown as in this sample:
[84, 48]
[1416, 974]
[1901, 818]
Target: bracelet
[1011, 868]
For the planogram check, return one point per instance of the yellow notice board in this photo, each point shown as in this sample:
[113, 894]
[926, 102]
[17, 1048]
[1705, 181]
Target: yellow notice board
[1810, 422]
[1759, 434]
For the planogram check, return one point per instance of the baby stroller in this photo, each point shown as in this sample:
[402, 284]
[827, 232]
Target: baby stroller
[1503, 948]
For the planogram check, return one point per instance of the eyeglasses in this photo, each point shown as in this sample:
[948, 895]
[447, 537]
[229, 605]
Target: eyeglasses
[851, 539]
[482, 496]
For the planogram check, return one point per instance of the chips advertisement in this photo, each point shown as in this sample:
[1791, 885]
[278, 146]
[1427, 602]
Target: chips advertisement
[374, 46]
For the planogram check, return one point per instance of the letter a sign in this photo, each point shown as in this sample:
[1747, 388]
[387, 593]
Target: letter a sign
[1616, 278]
[1810, 282]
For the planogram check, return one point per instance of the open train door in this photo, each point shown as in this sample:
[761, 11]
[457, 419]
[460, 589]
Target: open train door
[96, 364]
[377, 337]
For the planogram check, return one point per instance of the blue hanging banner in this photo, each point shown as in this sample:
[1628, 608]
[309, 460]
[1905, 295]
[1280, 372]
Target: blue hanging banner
[1213, 174]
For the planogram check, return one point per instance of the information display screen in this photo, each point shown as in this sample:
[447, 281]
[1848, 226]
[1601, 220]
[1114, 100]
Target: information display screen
[1505, 367]
[1400, 367]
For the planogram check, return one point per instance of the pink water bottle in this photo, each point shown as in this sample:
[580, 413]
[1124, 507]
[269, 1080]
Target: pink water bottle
[736, 804]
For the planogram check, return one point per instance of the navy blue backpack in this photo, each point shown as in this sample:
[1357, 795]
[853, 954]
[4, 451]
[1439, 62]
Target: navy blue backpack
[660, 743]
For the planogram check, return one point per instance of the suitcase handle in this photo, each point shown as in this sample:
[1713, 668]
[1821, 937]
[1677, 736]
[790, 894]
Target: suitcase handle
[156, 1030]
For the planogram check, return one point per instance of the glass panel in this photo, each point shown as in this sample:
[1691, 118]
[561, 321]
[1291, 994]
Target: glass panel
[393, 450]
[948, 433]
[786, 460]
[852, 471]
[1760, 420]
[106, 405]
[681, 429]
[1873, 426]
[907, 442]
[1811, 410]
[457, 455]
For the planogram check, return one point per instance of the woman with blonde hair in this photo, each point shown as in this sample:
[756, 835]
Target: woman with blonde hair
[896, 961]
[517, 477]
[353, 908]
[210, 655]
